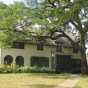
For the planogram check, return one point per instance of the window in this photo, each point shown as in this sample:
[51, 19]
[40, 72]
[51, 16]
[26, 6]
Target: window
[40, 46]
[19, 61]
[59, 48]
[40, 61]
[18, 45]
[75, 50]
[8, 60]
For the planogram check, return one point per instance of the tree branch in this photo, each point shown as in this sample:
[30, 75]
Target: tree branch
[52, 3]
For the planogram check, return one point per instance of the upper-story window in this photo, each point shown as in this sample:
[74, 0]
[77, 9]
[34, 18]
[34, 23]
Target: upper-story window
[18, 45]
[59, 48]
[75, 50]
[40, 46]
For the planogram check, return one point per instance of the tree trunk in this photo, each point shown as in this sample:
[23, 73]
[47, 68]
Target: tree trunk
[83, 55]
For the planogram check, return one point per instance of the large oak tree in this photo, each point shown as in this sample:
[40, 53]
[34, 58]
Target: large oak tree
[55, 14]
[76, 12]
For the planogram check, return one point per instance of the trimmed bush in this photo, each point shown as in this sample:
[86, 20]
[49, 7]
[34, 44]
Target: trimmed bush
[24, 69]
[5, 69]
[33, 69]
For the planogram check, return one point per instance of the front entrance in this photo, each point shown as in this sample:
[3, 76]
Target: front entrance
[64, 63]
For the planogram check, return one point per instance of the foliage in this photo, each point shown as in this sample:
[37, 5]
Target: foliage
[53, 14]
[5, 69]
[60, 13]
[33, 69]
[23, 69]
[9, 18]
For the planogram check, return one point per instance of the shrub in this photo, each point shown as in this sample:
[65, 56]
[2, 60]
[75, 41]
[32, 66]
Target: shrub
[44, 69]
[24, 69]
[5, 68]
[2, 68]
[34, 69]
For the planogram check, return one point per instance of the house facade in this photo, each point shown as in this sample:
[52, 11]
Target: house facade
[47, 55]
[27, 53]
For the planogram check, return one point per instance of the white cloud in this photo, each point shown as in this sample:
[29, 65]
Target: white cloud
[9, 1]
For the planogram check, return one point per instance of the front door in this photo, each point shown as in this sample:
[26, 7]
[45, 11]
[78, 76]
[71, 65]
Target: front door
[63, 63]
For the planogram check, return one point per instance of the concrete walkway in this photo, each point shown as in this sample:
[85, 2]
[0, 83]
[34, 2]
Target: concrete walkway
[69, 83]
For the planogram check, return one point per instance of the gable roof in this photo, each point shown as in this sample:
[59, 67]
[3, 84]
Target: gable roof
[65, 38]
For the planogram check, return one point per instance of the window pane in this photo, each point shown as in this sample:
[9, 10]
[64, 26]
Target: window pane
[40, 46]
[18, 45]
[59, 48]
[75, 50]
[40, 61]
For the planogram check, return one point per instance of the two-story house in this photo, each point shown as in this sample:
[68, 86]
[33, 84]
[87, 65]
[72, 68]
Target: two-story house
[41, 53]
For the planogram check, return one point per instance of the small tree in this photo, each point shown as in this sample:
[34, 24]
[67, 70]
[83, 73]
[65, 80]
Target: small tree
[10, 17]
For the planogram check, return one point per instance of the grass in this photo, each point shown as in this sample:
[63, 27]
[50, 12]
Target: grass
[31, 80]
[83, 83]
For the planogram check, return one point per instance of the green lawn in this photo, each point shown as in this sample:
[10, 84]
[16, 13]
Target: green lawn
[83, 83]
[31, 80]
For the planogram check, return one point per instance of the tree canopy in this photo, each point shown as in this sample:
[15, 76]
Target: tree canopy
[76, 11]
[56, 14]
[10, 16]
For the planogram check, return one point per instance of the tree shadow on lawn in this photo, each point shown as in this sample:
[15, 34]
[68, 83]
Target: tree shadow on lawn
[52, 76]
[46, 86]
[62, 76]
[40, 86]
[77, 87]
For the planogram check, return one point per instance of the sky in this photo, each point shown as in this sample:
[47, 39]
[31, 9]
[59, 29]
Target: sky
[9, 1]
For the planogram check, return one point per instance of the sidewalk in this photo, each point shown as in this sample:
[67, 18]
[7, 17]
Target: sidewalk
[69, 83]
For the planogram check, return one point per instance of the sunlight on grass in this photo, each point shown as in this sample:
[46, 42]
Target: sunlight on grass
[83, 83]
[31, 80]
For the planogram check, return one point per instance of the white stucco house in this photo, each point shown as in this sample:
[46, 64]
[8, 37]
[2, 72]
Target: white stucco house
[42, 54]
